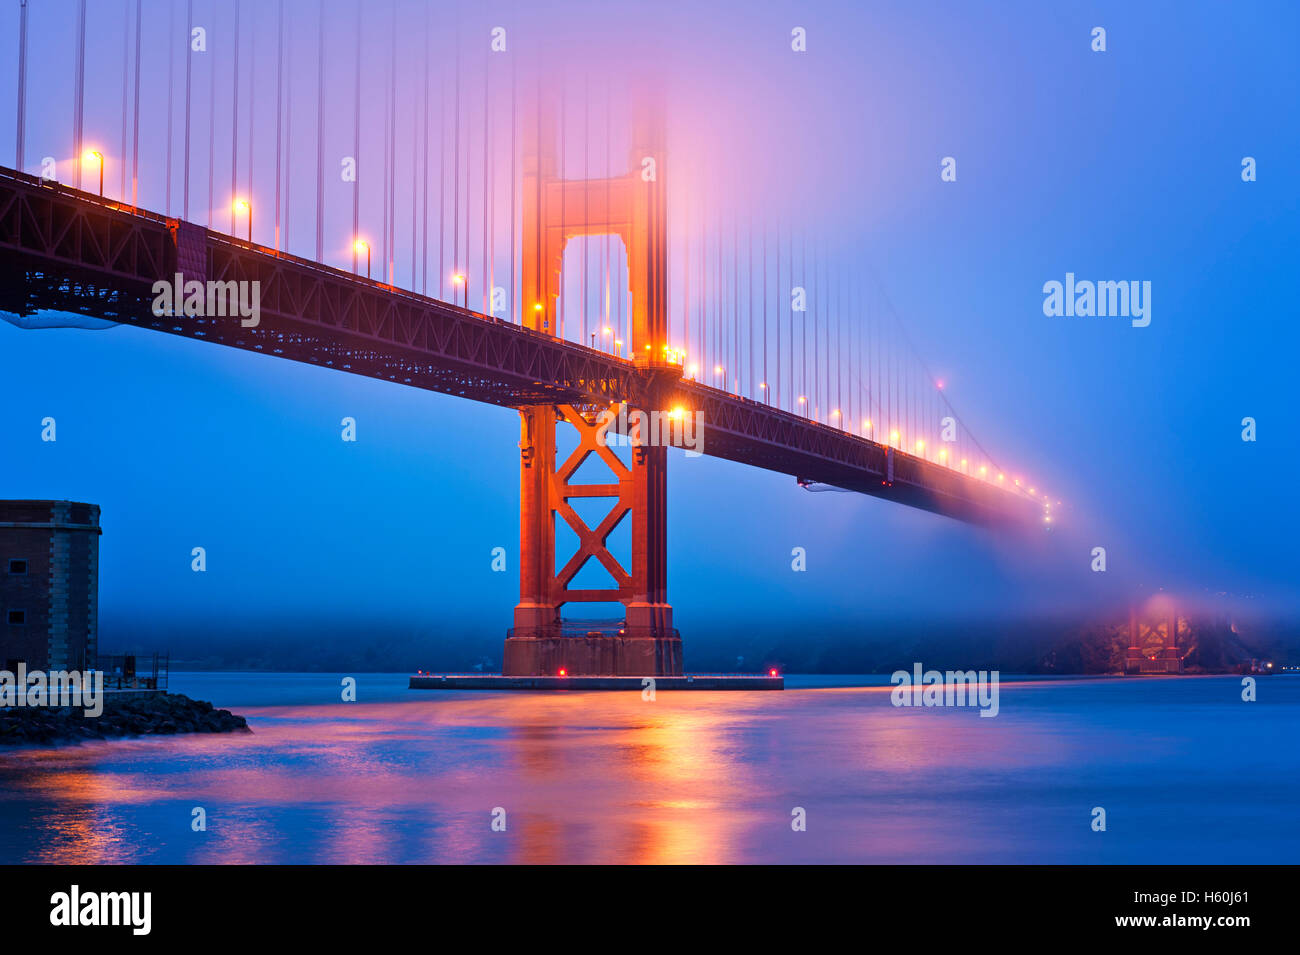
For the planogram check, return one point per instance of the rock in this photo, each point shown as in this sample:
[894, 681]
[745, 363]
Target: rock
[161, 714]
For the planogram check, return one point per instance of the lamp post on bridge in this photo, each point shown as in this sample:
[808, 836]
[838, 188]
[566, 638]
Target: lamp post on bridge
[460, 279]
[242, 205]
[361, 245]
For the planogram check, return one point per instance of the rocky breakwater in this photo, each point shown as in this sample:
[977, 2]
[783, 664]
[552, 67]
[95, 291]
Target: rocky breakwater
[123, 715]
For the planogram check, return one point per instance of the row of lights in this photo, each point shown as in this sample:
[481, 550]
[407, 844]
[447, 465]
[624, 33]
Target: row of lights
[673, 356]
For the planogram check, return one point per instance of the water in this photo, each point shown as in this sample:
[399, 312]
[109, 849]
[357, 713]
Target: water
[1186, 772]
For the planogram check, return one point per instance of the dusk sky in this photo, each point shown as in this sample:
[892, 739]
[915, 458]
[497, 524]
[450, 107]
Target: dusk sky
[1116, 165]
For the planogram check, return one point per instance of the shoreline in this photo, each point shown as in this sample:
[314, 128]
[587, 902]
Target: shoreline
[158, 714]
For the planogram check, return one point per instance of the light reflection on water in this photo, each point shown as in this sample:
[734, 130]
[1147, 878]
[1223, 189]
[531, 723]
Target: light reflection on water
[1186, 772]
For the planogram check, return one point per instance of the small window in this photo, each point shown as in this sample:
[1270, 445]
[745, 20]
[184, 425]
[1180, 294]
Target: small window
[17, 616]
[17, 566]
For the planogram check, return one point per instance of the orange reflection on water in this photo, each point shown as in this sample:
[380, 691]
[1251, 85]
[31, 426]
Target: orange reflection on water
[582, 777]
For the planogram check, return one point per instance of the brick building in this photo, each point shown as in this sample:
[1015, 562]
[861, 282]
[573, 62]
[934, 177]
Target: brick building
[49, 584]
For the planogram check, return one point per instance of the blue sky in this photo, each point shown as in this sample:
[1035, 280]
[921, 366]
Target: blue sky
[1117, 165]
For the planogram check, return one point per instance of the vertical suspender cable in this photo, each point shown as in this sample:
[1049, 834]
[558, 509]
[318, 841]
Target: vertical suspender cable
[126, 59]
[767, 385]
[279, 112]
[442, 177]
[514, 185]
[320, 134]
[135, 123]
[485, 227]
[252, 99]
[455, 204]
[22, 84]
[171, 67]
[356, 141]
[424, 171]
[234, 123]
[288, 133]
[79, 90]
[212, 137]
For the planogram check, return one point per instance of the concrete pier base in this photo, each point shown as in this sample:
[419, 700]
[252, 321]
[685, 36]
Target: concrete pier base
[477, 681]
[592, 655]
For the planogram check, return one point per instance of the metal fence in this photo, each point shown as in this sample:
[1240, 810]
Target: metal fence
[130, 671]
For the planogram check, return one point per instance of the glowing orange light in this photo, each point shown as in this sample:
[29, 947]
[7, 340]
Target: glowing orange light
[537, 307]
[563, 672]
[802, 399]
[360, 245]
[458, 279]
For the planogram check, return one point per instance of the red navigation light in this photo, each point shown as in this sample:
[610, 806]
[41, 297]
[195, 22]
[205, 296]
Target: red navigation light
[563, 672]
[772, 672]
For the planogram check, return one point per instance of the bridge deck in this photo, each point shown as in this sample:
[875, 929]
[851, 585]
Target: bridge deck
[62, 249]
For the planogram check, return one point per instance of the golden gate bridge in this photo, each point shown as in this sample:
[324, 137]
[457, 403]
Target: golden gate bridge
[609, 273]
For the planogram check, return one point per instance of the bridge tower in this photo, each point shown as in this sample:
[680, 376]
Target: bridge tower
[631, 206]
[1142, 631]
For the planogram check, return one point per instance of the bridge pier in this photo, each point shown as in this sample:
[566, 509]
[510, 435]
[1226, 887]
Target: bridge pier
[541, 643]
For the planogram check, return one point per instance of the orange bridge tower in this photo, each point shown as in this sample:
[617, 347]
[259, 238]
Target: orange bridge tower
[632, 207]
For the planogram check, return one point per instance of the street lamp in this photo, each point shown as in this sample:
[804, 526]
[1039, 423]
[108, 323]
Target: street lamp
[90, 156]
[242, 205]
[459, 279]
[361, 245]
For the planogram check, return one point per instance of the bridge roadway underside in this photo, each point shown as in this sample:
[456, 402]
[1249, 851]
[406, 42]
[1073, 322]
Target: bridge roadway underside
[68, 251]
